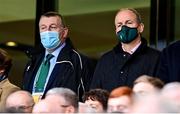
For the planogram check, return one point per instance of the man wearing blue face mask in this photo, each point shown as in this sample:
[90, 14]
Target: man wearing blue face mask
[130, 58]
[59, 65]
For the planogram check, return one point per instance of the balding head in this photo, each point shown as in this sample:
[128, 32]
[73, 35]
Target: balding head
[68, 95]
[53, 104]
[20, 101]
[66, 99]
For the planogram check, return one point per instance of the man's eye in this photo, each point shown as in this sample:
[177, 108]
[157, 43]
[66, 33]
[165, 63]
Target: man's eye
[119, 25]
[129, 23]
[53, 27]
[93, 106]
[42, 28]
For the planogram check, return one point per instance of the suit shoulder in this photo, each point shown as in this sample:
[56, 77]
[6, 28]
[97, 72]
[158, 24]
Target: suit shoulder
[107, 54]
[107, 58]
[174, 46]
[153, 51]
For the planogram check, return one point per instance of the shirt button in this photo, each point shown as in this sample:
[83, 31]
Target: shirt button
[122, 72]
[124, 55]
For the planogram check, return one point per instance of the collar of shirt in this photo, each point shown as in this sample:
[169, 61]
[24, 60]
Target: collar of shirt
[133, 49]
[56, 52]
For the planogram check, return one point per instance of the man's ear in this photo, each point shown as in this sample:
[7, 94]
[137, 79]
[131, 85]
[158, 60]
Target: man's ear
[141, 27]
[65, 32]
[70, 109]
[2, 71]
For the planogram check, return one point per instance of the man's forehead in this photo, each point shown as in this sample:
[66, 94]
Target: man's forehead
[126, 11]
[46, 20]
[55, 96]
[126, 14]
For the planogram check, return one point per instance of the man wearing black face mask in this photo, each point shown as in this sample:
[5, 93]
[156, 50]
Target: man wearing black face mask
[6, 88]
[130, 58]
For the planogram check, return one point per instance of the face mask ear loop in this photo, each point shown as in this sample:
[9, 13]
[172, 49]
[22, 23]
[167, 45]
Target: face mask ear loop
[2, 75]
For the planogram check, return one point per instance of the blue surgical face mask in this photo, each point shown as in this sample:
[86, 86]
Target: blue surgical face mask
[50, 39]
[127, 34]
[2, 77]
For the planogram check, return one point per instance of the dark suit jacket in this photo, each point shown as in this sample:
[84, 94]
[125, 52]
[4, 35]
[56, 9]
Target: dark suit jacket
[118, 68]
[71, 67]
[169, 69]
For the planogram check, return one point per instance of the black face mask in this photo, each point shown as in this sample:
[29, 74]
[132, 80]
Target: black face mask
[127, 34]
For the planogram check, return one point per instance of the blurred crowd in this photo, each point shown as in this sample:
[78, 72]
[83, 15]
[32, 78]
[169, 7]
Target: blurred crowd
[148, 95]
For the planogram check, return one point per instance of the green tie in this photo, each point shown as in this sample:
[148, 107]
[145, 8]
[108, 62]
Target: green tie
[43, 74]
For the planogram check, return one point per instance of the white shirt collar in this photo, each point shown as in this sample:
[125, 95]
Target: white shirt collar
[56, 52]
[133, 49]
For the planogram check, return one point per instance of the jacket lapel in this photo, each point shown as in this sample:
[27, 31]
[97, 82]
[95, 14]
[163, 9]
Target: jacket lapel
[30, 78]
[63, 56]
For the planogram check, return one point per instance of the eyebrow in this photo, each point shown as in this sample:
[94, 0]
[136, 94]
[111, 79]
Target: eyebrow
[42, 25]
[49, 25]
[64, 106]
[125, 21]
[53, 24]
[119, 23]
[129, 20]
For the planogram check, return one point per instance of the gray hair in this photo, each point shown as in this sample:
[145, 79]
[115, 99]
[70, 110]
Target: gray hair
[54, 14]
[69, 95]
